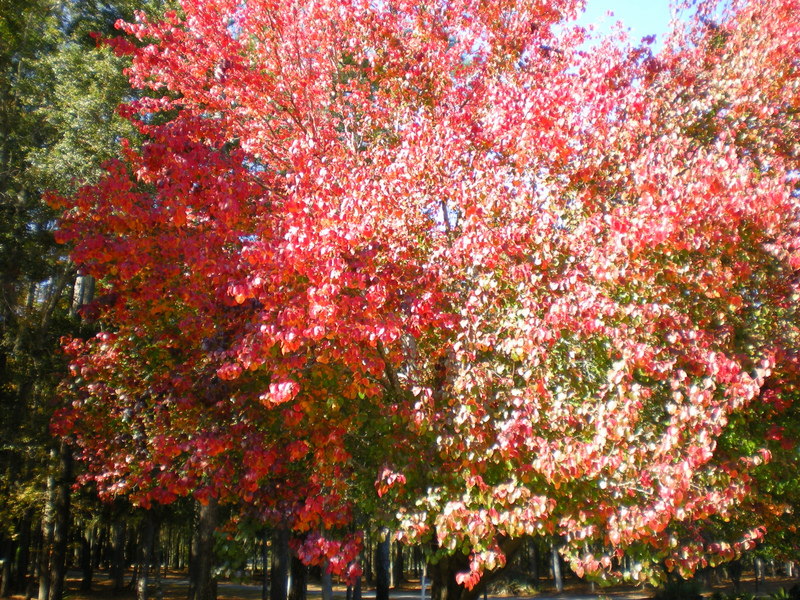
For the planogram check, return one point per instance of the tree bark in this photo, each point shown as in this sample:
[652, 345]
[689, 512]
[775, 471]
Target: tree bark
[382, 565]
[19, 573]
[279, 571]
[87, 569]
[155, 557]
[146, 543]
[417, 559]
[735, 572]
[443, 573]
[265, 573]
[83, 292]
[201, 583]
[558, 580]
[175, 561]
[62, 506]
[47, 535]
[117, 566]
[354, 591]
[5, 575]
[299, 579]
[326, 583]
[534, 561]
[398, 576]
[758, 567]
[443, 579]
[99, 546]
[32, 576]
[368, 556]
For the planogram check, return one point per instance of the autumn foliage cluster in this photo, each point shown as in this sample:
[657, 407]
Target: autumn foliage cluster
[450, 264]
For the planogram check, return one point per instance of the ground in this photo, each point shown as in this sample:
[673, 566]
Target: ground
[175, 586]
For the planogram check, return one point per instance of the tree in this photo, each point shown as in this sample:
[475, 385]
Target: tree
[58, 94]
[519, 287]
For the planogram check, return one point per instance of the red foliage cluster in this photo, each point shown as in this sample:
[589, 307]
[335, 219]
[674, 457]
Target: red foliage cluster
[445, 252]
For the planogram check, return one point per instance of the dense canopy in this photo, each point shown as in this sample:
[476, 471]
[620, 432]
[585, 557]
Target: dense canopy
[449, 263]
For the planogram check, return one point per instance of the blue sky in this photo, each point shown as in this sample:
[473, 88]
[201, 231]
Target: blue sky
[642, 17]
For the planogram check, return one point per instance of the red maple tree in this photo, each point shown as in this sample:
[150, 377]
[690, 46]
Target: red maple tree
[522, 286]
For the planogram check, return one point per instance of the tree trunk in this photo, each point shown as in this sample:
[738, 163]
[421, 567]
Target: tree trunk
[58, 561]
[533, 545]
[558, 579]
[398, 576]
[5, 575]
[146, 543]
[326, 583]
[87, 568]
[32, 576]
[443, 579]
[47, 535]
[156, 558]
[279, 571]
[99, 544]
[735, 573]
[117, 567]
[443, 573]
[265, 572]
[19, 574]
[354, 591]
[368, 556]
[382, 565]
[418, 559]
[758, 567]
[201, 582]
[298, 580]
[83, 293]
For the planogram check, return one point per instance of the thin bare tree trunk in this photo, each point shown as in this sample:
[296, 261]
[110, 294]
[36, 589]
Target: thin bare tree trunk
[9, 547]
[146, 542]
[62, 506]
[47, 535]
[117, 567]
[398, 576]
[558, 579]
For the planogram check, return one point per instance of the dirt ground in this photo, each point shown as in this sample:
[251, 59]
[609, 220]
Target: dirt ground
[174, 587]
